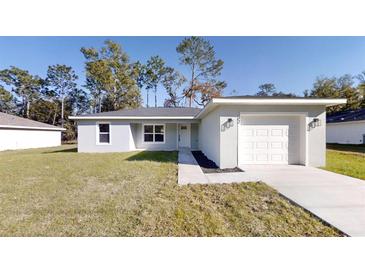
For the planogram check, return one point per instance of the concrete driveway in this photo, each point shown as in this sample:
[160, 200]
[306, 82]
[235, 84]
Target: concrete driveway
[335, 198]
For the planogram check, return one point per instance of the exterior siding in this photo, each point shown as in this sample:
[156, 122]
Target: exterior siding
[170, 137]
[120, 133]
[194, 136]
[27, 138]
[128, 136]
[226, 144]
[209, 137]
[346, 132]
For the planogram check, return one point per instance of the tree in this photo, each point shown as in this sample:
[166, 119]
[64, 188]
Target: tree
[25, 86]
[342, 87]
[172, 81]
[111, 78]
[199, 55]
[269, 89]
[61, 80]
[154, 73]
[346, 89]
[361, 88]
[79, 101]
[266, 89]
[6, 101]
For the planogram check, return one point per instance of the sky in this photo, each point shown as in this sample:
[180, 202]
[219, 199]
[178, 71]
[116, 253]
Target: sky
[291, 63]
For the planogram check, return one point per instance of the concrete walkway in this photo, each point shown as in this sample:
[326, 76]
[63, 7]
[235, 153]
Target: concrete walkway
[189, 170]
[335, 198]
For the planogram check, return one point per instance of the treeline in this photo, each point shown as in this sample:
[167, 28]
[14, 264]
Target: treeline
[347, 86]
[112, 82]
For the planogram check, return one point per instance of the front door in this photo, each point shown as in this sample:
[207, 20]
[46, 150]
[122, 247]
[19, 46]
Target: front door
[184, 135]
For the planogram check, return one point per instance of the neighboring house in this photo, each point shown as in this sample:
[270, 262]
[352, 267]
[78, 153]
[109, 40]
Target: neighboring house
[231, 131]
[346, 127]
[21, 133]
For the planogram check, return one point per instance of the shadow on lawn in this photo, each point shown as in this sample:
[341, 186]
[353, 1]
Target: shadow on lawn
[155, 156]
[348, 148]
[74, 149]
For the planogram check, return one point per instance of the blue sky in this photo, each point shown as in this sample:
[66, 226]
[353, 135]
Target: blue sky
[291, 63]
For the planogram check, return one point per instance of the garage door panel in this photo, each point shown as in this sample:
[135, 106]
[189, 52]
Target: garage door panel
[262, 132]
[262, 145]
[262, 157]
[267, 145]
[247, 156]
[277, 158]
[247, 145]
[277, 145]
[247, 132]
[277, 132]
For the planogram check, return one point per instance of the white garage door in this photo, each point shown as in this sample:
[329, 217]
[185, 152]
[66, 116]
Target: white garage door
[263, 144]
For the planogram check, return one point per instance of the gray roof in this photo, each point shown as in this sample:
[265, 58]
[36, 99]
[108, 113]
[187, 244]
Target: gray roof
[346, 116]
[273, 97]
[148, 112]
[7, 120]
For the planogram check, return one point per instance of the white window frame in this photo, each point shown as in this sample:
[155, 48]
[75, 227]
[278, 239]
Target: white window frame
[98, 136]
[153, 133]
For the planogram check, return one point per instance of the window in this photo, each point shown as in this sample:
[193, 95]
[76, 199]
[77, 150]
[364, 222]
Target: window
[154, 133]
[104, 133]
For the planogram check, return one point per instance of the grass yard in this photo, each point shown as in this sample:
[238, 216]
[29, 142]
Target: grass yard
[346, 159]
[58, 192]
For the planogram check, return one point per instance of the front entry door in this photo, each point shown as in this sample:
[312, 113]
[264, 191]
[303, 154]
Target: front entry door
[184, 135]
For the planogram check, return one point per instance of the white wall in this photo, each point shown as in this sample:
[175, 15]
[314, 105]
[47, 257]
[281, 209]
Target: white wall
[346, 132]
[120, 134]
[226, 143]
[194, 136]
[170, 137]
[209, 137]
[26, 138]
[125, 136]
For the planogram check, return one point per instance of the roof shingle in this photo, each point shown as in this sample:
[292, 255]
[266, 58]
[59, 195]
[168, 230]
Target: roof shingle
[148, 112]
[346, 116]
[15, 121]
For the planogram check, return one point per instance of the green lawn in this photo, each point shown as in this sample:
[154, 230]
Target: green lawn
[58, 192]
[346, 159]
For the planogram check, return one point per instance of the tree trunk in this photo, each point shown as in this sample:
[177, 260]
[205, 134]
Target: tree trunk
[155, 96]
[99, 104]
[55, 115]
[147, 97]
[28, 108]
[62, 111]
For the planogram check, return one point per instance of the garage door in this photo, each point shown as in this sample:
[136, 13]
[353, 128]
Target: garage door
[263, 144]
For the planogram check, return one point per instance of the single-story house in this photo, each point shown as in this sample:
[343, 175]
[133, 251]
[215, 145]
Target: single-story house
[21, 133]
[346, 127]
[231, 131]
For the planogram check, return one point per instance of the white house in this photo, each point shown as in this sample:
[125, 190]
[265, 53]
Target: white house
[346, 127]
[231, 131]
[21, 133]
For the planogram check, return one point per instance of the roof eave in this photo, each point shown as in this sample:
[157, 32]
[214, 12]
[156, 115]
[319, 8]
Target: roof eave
[292, 101]
[288, 101]
[131, 117]
[33, 128]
